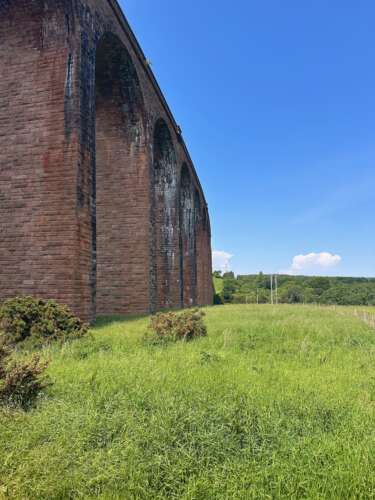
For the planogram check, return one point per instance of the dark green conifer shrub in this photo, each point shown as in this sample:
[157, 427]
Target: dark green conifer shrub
[39, 320]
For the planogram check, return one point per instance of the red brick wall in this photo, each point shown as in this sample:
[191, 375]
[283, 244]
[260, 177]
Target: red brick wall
[84, 215]
[38, 238]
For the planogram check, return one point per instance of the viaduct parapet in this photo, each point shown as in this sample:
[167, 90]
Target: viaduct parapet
[100, 204]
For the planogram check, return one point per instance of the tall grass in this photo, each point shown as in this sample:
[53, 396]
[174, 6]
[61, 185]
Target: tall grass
[277, 402]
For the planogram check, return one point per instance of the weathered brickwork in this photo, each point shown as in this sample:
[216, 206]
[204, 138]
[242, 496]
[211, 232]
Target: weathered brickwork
[100, 205]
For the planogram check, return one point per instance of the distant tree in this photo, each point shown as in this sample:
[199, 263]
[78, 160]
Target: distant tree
[217, 274]
[263, 296]
[347, 295]
[218, 299]
[228, 275]
[310, 296]
[292, 294]
[239, 299]
[320, 284]
[262, 281]
[229, 289]
[336, 295]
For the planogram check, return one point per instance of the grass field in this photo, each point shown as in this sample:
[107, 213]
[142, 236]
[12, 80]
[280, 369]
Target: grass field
[277, 402]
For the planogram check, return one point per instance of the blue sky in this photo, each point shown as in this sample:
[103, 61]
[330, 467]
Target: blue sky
[276, 100]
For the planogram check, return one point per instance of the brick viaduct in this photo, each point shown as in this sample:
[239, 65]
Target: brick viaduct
[100, 204]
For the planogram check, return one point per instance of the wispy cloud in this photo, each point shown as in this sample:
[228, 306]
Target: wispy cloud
[313, 263]
[350, 193]
[221, 260]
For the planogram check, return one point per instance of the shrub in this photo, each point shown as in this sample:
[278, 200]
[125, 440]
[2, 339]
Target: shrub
[4, 353]
[218, 299]
[41, 320]
[178, 326]
[20, 381]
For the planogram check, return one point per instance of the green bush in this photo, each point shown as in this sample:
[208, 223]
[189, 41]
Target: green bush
[20, 381]
[178, 326]
[218, 300]
[4, 353]
[39, 320]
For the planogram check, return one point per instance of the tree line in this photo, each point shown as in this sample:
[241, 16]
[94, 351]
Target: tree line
[256, 288]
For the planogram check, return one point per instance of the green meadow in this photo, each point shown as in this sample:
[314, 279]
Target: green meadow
[276, 402]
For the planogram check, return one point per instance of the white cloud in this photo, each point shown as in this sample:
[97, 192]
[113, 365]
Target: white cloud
[313, 262]
[221, 260]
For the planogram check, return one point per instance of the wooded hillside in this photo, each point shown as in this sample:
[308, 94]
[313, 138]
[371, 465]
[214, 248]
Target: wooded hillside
[255, 288]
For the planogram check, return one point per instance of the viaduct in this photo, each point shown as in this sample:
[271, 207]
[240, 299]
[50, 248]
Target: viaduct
[100, 204]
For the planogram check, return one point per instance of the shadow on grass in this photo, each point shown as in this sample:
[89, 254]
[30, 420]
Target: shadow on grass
[104, 321]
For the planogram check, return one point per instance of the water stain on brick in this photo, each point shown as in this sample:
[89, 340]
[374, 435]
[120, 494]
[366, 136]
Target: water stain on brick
[165, 193]
[188, 209]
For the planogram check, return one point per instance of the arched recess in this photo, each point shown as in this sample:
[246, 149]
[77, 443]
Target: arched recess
[120, 232]
[165, 245]
[204, 272]
[208, 287]
[188, 242]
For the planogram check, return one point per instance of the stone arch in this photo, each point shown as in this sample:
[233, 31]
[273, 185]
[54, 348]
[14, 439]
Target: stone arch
[120, 237]
[188, 204]
[165, 244]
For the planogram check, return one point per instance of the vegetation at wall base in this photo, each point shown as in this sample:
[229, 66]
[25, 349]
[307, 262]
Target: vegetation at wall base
[256, 288]
[32, 323]
[275, 402]
[38, 322]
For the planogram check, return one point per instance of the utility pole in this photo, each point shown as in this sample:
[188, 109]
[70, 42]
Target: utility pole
[271, 288]
[257, 297]
[277, 298]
